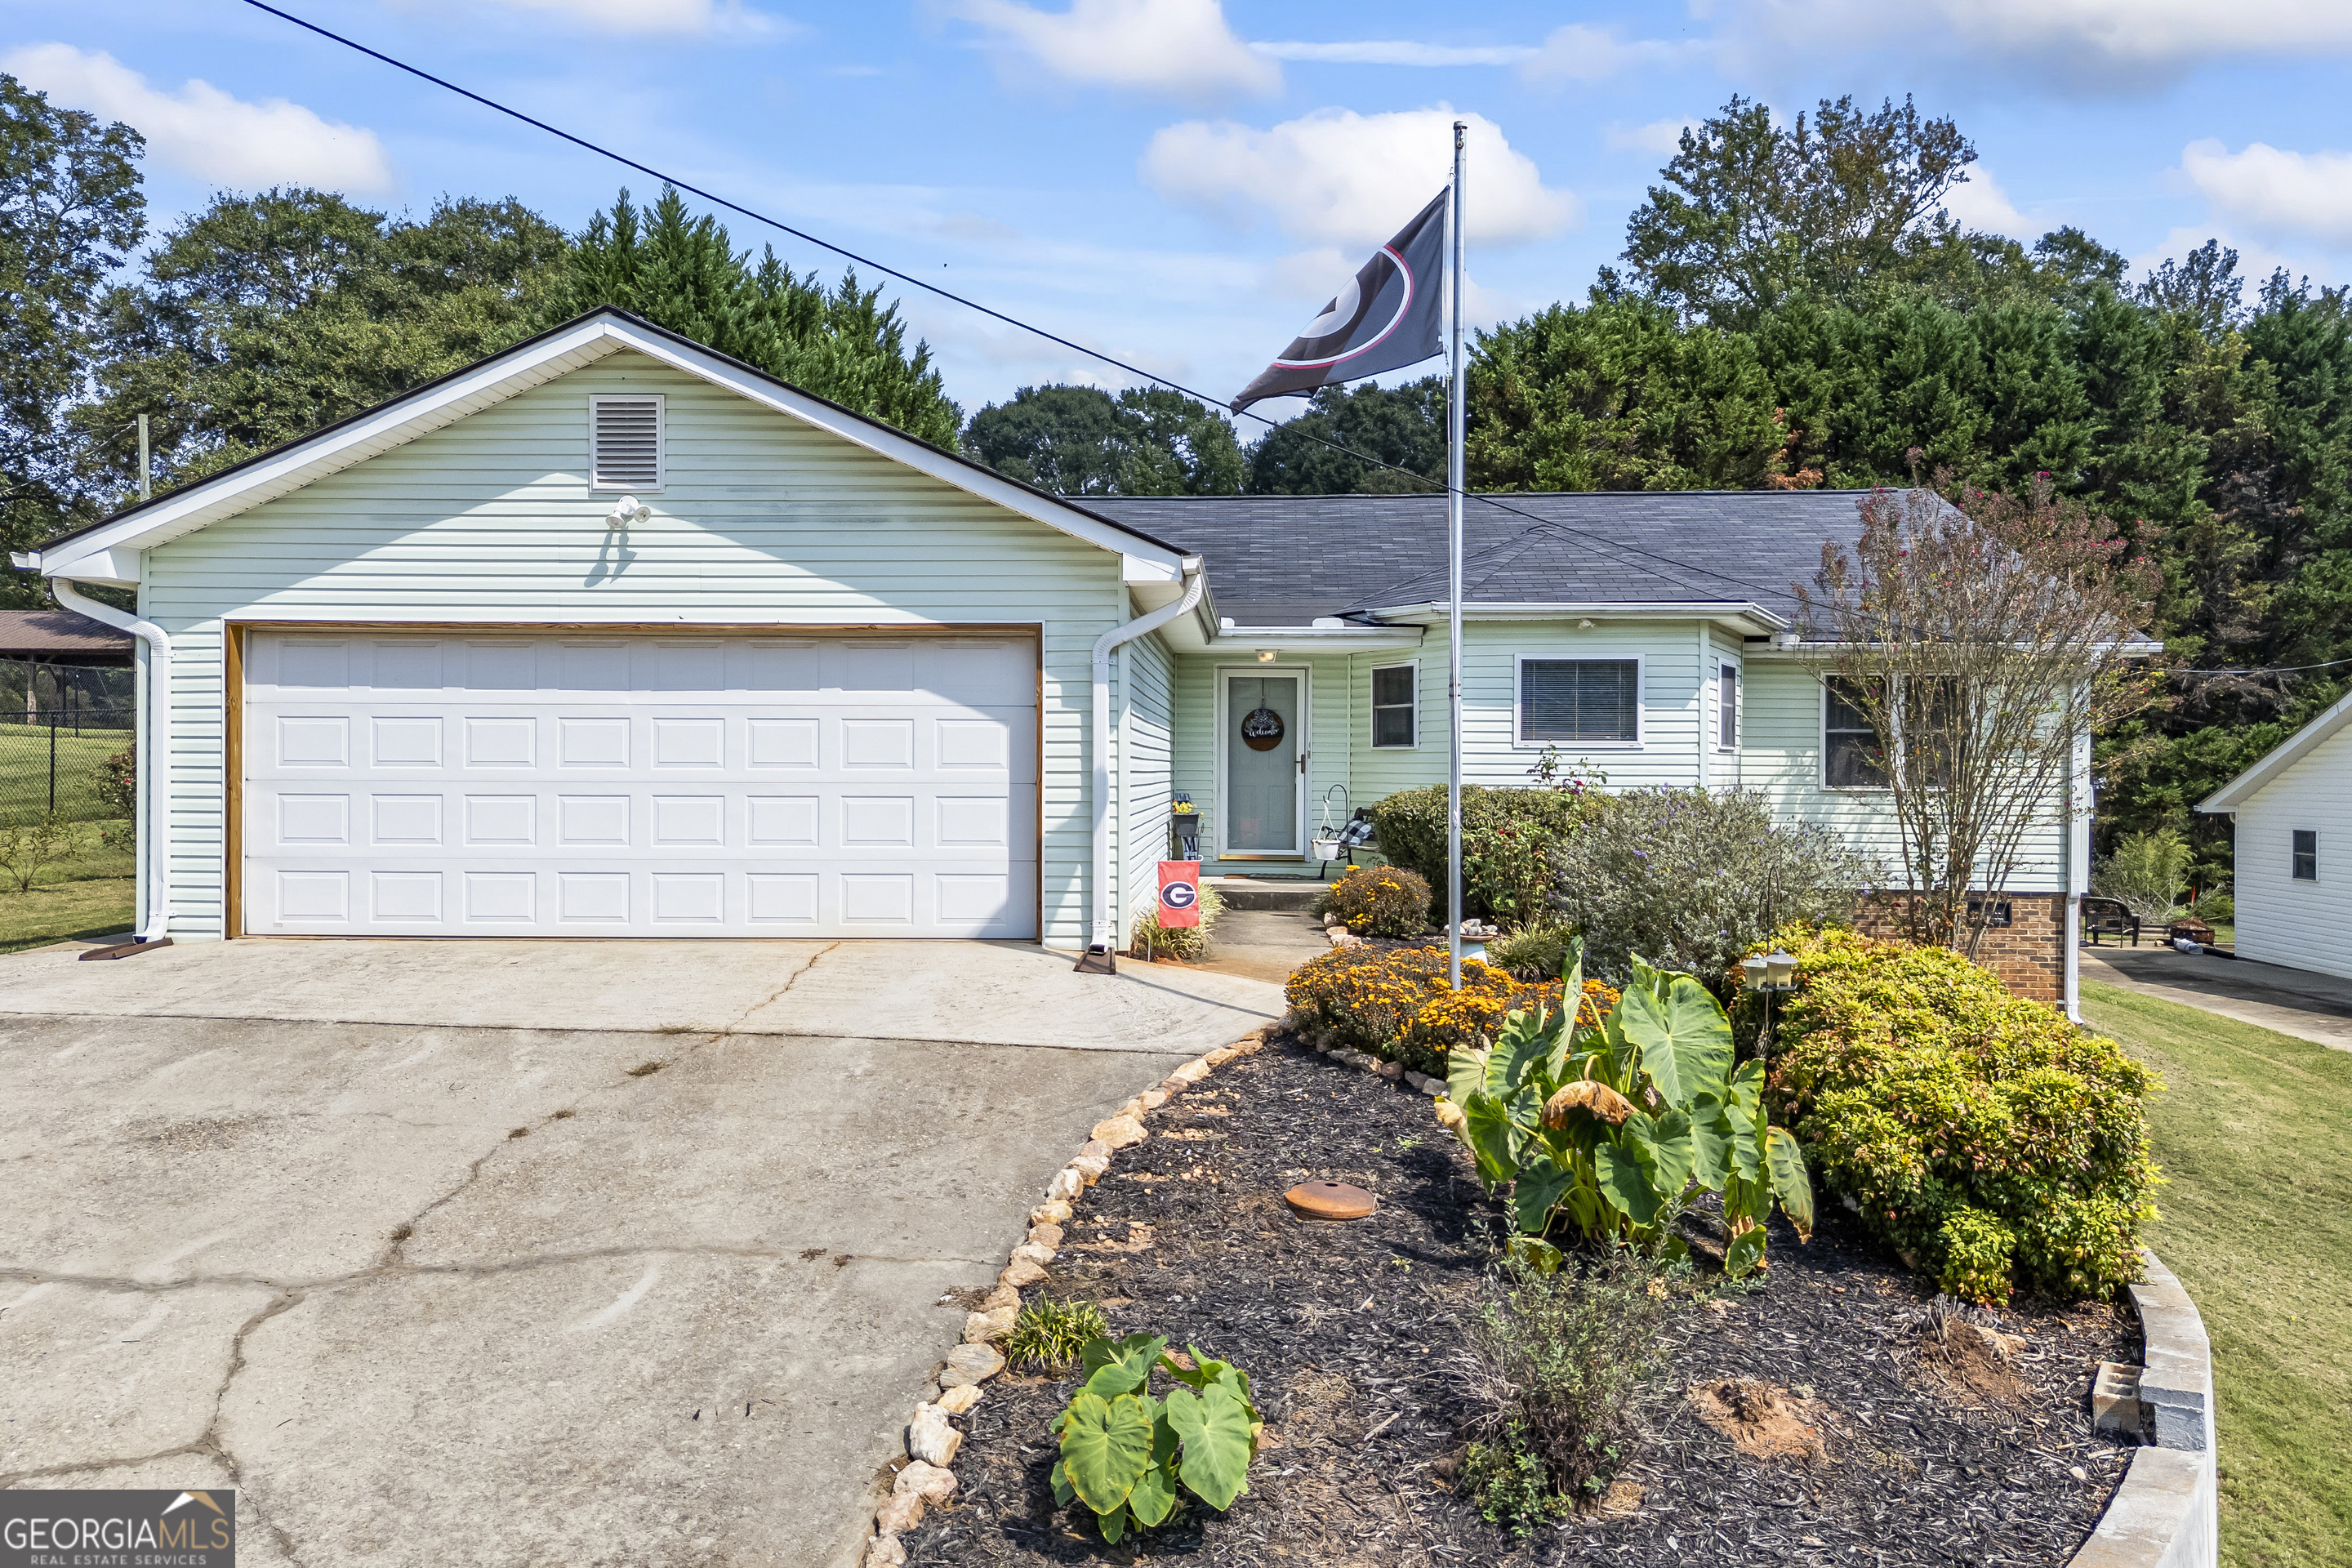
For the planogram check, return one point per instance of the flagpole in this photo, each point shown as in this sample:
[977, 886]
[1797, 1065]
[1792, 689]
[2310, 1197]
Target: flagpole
[1454, 426]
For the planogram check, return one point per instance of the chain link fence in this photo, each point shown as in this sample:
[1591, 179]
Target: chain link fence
[66, 740]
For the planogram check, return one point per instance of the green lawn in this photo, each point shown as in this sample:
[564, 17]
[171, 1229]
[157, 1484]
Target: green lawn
[25, 772]
[2254, 1133]
[88, 897]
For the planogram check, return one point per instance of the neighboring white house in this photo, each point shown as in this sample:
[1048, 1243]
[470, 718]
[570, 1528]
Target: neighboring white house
[612, 636]
[2293, 843]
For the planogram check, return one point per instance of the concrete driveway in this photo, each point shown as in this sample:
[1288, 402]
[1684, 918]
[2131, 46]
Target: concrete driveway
[2315, 1007]
[622, 1253]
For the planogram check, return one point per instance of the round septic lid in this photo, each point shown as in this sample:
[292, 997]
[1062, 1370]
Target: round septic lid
[1331, 1200]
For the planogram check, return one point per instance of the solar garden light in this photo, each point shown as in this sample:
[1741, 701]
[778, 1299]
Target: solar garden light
[1766, 974]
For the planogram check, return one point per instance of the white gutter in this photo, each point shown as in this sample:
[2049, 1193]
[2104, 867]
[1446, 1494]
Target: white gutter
[154, 752]
[1106, 910]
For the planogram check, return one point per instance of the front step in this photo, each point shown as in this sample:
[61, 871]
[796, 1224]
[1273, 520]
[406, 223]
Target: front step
[1292, 893]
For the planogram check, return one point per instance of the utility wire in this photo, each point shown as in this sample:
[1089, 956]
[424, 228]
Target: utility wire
[1598, 541]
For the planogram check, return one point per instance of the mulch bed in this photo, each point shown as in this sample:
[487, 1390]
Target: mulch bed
[1927, 1455]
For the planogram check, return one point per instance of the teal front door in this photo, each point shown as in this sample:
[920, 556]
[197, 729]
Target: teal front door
[1262, 746]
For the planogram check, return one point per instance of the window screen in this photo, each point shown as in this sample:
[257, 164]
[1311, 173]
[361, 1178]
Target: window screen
[1727, 703]
[2306, 854]
[625, 435]
[1580, 700]
[1393, 706]
[1850, 758]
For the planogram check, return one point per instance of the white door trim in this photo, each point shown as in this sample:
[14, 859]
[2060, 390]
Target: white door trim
[1226, 674]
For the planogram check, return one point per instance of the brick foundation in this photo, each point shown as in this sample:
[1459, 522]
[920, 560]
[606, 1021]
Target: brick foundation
[2029, 955]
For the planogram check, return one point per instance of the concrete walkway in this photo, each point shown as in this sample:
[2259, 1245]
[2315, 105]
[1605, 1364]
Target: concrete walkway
[2315, 1007]
[443, 1253]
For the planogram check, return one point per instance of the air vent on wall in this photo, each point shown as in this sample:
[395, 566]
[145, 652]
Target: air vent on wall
[624, 439]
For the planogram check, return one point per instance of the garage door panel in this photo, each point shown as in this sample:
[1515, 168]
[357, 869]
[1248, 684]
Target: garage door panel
[641, 786]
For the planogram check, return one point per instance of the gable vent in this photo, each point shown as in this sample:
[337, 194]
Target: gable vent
[624, 439]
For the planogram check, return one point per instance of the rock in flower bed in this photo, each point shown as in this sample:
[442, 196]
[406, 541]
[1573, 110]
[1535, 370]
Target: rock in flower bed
[1834, 1414]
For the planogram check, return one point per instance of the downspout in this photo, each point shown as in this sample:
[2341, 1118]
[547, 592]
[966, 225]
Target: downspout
[155, 753]
[2078, 871]
[1106, 934]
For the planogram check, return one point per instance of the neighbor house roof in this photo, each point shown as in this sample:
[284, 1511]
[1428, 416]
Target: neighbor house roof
[60, 635]
[2274, 762]
[106, 550]
[1286, 560]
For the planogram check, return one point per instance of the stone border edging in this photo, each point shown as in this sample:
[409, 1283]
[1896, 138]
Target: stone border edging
[2165, 1513]
[932, 1439]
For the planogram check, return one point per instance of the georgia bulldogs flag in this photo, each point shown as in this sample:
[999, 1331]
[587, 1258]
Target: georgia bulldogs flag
[1179, 893]
[1386, 317]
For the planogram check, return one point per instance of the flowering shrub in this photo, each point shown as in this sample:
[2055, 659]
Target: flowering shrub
[1989, 1139]
[1382, 901]
[1398, 1004]
[1508, 839]
[1690, 881]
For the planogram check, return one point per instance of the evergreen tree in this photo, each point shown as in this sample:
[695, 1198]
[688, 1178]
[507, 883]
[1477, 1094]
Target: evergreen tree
[683, 273]
[1402, 426]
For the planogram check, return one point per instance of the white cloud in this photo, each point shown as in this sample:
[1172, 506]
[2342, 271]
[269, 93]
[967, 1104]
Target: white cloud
[1399, 52]
[1180, 47]
[2275, 192]
[1980, 203]
[1338, 177]
[1578, 53]
[2124, 40]
[203, 132]
[691, 17]
[1657, 136]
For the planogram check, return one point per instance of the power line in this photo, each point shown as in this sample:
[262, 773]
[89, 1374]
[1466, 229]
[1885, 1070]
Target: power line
[1440, 488]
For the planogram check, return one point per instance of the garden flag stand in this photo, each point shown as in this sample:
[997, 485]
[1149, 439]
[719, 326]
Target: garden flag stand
[1388, 317]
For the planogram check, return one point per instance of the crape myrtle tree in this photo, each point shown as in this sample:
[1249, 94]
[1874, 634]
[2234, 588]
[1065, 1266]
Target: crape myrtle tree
[1975, 637]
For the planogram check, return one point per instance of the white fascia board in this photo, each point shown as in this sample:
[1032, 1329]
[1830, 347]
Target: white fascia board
[1729, 612]
[506, 375]
[2233, 795]
[1320, 639]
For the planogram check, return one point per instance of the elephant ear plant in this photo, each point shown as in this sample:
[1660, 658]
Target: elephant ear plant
[1613, 1130]
[1124, 1453]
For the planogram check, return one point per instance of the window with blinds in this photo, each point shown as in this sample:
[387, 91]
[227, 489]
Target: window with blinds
[624, 443]
[1587, 701]
[1394, 721]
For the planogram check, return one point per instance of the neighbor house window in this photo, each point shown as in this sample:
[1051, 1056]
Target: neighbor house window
[1850, 758]
[1727, 708]
[2306, 854]
[1395, 721]
[1586, 700]
[624, 443]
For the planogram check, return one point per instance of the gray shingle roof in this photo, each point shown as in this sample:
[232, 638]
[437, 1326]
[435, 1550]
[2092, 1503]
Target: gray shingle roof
[1284, 560]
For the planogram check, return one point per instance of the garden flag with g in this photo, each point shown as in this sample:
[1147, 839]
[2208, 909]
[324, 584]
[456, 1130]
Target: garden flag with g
[1179, 893]
[1386, 317]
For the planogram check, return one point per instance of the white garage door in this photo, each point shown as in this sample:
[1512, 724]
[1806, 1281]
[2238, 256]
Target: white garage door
[639, 785]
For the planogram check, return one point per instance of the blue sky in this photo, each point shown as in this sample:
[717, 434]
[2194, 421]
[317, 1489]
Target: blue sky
[1182, 183]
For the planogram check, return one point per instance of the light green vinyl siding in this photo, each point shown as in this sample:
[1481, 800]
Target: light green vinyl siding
[1781, 757]
[1330, 702]
[1145, 738]
[763, 521]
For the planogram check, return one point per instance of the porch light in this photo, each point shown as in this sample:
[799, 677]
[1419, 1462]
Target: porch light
[1266, 656]
[626, 511]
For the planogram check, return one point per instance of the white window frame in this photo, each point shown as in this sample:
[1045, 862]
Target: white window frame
[1374, 705]
[1519, 741]
[2292, 852]
[1728, 716]
[661, 442]
[1821, 748]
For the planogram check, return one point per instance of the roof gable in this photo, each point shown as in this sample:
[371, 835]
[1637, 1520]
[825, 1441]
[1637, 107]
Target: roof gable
[107, 550]
[2276, 763]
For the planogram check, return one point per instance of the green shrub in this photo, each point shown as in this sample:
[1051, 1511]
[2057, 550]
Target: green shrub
[2146, 871]
[1507, 838]
[1557, 1362]
[1992, 1140]
[2215, 908]
[1691, 880]
[28, 849]
[1535, 952]
[1190, 943]
[1048, 1335]
[1382, 901]
[118, 792]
